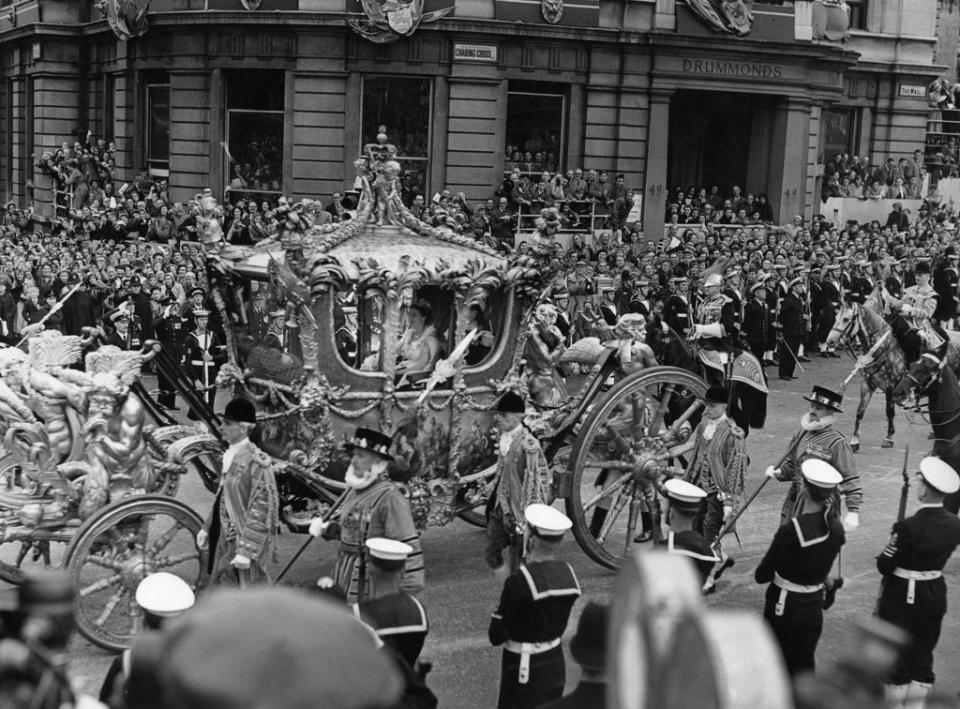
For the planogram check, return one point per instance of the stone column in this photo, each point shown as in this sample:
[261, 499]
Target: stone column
[655, 174]
[788, 158]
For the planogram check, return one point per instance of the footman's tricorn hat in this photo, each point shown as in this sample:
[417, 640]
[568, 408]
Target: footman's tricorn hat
[369, 440]
[939, 475]
[826, 397]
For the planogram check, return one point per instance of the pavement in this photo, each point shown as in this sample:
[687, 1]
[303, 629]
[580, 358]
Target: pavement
[461, 593]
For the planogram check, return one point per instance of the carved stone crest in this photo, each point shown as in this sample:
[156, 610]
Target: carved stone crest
[729, 16]
[389, 20]
[127, 18]
[551, 10]
[252, 4]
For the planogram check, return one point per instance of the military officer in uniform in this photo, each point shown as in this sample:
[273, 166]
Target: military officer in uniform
[734, 291]
[797, 565]
[756, 320]
[168, 328]
[894, 280]
[815, 300]
[684, 501]
[830, 290]
[676, 309]
[860, 284]
[276, 337]
[914, 593]
[258, 321]
[818, 439]
[532, 615]
[126, 332]
[716, 324]
[791, 329]
[242, 526]
[203, 354]
[911, 315]
[194, 303]
[946, 287]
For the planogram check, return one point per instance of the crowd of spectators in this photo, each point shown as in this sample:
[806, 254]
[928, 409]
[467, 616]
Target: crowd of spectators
[895, 178]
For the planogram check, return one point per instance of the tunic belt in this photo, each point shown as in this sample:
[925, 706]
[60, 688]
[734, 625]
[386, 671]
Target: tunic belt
[525, 650]
[790, 587]
[912, 578]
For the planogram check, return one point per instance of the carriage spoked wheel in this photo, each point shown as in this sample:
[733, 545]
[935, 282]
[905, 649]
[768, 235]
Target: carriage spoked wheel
[619, 451]
[116, 549]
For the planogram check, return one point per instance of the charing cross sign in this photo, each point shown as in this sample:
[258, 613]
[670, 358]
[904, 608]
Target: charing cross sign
[718, 67]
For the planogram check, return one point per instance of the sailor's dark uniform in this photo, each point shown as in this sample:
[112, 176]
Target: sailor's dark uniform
[692, 545]
[796, 566]
[914, 593]
[400, 621]
[532, 615]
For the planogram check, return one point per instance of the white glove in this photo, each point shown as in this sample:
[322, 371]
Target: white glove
[318, 526]
[851, 522]
[325, 582]
[697, 332]
[906, 309]
[727, 513]
[771, 472]
[240, 562]
[202, 539]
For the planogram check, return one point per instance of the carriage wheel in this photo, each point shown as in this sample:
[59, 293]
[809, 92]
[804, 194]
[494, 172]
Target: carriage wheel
[618, 453]
[116, 549]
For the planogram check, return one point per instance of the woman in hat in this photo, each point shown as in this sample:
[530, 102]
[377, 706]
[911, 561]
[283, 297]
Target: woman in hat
[796, 566]
[373, 507]
[819, 439]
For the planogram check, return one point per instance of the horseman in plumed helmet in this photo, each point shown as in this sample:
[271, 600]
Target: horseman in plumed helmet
[716, 315]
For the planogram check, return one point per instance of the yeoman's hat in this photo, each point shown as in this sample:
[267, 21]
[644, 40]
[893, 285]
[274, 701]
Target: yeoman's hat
[373, 441]
[825, 397]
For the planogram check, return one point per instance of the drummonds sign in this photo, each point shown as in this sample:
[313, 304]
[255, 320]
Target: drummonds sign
[723, 67]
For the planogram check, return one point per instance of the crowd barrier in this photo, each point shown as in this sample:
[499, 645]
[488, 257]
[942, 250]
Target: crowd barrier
[840, 210]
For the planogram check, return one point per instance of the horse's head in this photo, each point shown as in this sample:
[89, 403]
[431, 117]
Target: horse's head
[845, 326]
[918, 378]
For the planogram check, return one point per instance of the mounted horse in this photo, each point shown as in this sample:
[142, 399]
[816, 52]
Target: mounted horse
[930, 376]
[866, 324]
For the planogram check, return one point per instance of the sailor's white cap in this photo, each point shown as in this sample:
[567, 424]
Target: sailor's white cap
[683, 492]
[939, 475]
[388, 549]
[545, 521]
[820, 473]
[164, 594]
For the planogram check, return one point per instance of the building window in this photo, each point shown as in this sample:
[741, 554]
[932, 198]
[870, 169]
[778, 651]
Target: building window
[402, 107]
[158, 130]
[535, 122]
[255, 108]
[108, 97]
[858, 14]
[839, 128]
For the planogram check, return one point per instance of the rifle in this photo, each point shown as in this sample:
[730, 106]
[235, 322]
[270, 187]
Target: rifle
[905, 489]
[733, 520]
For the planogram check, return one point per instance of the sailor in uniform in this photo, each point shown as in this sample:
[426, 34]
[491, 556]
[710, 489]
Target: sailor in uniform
[398, 619]
[815, 299]
[684, 500]
[914, 593]
[203, 354]
[796, 566]
[640, 302]
[608, 308]
[734, 291]
[676, 309]
[167, 328]
[756, 320]
[532, 615]
[819, 439]
[946, 287]
[791, 322]
[911, 321]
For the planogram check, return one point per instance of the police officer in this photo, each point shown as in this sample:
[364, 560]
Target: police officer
[684, 501]
[796, 566]
[756, 320]
[819, 439]
[914, 594]
[533, 613]
[791, 329]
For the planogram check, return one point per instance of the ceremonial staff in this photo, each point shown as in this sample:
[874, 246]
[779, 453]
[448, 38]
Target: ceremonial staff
[733, 520]
[56, 306]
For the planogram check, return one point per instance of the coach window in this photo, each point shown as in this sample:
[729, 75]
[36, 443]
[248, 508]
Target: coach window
[255, 104]
[535, 121]
[158, 129]
[402, 106]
